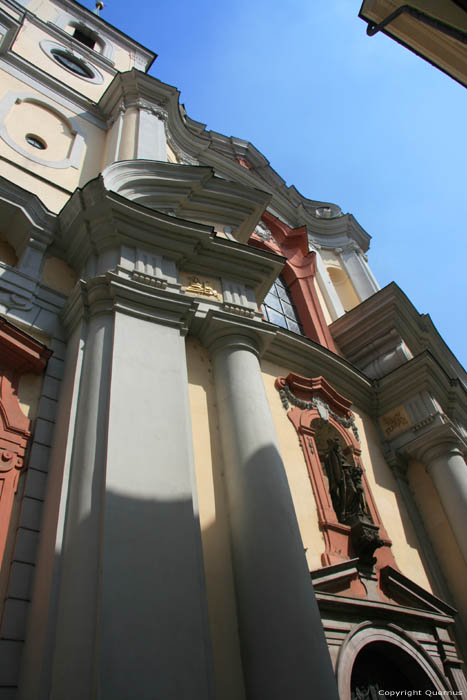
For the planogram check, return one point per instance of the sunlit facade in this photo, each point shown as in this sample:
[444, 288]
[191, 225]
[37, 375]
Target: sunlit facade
[231, 465]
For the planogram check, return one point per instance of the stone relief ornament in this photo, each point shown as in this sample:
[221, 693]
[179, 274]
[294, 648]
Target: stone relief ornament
[287, 398]
[202, 289]
[263, 232]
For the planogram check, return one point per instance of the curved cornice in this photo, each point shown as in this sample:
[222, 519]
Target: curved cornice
[96, 220]
[364, 332]
[225, 154]
[188, 191]
[24, 216]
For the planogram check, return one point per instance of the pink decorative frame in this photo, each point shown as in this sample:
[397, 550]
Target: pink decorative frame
[19, 354]
[299, 274]
[315, 398]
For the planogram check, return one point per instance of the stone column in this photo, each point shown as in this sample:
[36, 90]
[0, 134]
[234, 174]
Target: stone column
[284, 650]
[446, 465]
[132, 616]
[358, 271]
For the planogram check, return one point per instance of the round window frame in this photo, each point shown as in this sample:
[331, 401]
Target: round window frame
[30, 137]
[49, 47]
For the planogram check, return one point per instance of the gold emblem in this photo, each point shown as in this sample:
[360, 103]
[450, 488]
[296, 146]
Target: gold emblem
[202, 289]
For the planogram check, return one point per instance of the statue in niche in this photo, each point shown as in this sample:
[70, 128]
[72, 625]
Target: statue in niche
[345, 485]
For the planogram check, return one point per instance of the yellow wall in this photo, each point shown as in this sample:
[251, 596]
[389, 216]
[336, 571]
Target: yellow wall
[327, 315]
[440, 533]
[391, 508]
[342, 284]
[214, 525]
[58, 275]
[7, 252]
[31, 118]
[47, 11]
[29, 393]
[27, 44]
[297, 474]
[390, 504]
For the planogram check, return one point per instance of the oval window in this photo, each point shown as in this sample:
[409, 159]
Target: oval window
[72, 63]
[35, 141]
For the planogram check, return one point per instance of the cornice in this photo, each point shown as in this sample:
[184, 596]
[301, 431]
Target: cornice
[28, 219]
[220, 330]
[440, 441]
[366, 331]
[20, 351]
[219, 152]
[110, 293]
[305, 357]
[421, 373]
[188, 191]
[95, 220]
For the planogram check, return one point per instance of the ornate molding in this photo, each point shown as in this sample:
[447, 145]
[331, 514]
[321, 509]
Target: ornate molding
[323, 407]
[324, 424]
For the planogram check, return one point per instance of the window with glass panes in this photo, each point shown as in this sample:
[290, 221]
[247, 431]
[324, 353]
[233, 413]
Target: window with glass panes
[279, 308]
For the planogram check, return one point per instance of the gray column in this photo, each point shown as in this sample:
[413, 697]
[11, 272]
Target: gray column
[284, 650]
[446, 466]
[359, 272]
[132, 618]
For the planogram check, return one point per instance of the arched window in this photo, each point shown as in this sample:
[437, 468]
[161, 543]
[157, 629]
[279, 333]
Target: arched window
[278, 307]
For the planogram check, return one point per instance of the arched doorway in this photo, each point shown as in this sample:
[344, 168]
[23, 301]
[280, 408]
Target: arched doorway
[381, 666]
[384, 657]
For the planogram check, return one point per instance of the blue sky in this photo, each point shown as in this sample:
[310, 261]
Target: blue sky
[346, 118]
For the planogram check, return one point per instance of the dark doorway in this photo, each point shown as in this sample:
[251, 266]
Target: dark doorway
[381, 666]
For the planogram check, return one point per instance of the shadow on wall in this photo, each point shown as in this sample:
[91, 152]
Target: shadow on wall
[151, 631]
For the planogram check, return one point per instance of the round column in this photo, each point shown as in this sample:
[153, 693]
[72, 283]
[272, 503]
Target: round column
[446, 466]
[284, 650]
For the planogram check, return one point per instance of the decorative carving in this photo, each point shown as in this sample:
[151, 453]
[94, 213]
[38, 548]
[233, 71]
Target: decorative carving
[395, 422]
[9, 460]
[241, 310]
[365, 541]
[367, 692]
[149, 279]
[287, 396]
[202, 289]
[345, 485]
[263, 232]
[347, 513]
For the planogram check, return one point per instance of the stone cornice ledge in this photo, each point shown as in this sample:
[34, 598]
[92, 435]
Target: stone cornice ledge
[189, 191]
[111, 293]
[95, 220]
[364, 333]
[437, 441]
[423, 372]
[220, 328]
[310, 359]
[290, 351]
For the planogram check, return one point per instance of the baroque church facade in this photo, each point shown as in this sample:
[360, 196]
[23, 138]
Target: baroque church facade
[231, 465]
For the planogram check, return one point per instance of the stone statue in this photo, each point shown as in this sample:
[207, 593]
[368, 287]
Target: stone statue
[345, 485]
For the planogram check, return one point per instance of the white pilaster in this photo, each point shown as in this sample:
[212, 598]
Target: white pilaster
[359, 271]
[283, 646]
[151, 140]
[132, 617]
